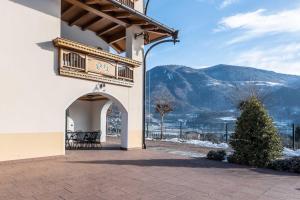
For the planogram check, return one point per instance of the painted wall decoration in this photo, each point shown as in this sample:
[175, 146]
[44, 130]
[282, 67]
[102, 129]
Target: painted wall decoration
[101, 66]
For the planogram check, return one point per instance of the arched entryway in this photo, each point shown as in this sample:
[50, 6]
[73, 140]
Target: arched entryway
[89, 118]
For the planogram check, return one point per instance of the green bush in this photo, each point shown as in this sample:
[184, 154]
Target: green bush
[255, 141]
[288, 165]
[216, 155]
[232, 159]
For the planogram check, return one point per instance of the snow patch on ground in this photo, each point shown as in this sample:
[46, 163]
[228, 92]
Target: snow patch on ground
[199, 143]
[181, 153]
[228, 118]
[291, 153]
[286, 152]
[188, 154]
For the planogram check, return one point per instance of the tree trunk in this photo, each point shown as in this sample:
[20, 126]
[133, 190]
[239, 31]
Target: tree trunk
[161, 126]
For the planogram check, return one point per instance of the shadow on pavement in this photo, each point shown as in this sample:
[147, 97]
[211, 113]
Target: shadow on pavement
[186, 163]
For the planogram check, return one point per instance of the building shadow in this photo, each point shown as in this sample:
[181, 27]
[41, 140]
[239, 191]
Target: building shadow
[50, 8]
[104, 148]
[185, 163]
[48, 46]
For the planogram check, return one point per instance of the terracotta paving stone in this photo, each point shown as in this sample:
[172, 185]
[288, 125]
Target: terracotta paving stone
[140, 175]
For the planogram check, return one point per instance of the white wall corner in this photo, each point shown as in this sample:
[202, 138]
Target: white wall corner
[135, 43]
[139, 5]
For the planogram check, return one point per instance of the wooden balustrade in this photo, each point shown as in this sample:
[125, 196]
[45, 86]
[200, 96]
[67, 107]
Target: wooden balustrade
[129, 3]
[96, 66]
[84, 62]
[125, 73]
[73, 60]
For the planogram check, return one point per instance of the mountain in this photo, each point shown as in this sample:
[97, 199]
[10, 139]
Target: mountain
[214, 89]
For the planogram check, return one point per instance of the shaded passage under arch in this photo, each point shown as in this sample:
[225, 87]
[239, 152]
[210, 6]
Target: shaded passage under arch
[87, 116]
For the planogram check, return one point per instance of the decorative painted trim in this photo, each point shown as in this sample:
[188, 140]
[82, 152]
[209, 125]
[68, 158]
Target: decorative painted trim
[93, 77]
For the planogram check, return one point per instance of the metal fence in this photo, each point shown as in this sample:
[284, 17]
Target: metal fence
[217, 132]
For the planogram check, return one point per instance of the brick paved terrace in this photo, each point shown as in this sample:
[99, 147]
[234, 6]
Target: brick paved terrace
[149, 174]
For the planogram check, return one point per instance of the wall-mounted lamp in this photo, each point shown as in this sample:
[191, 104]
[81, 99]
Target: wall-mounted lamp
[142, 34]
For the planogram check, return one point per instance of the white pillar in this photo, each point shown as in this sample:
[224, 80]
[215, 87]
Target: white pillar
[124, 130]
[135, 51]
[103, 120]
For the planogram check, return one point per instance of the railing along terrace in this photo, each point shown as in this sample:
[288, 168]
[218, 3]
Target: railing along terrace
[129, 3]
[78, 61]
[125, 73]
[84, 62]
[74, 60]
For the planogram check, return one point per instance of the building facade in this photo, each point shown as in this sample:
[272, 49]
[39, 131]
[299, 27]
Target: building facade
[61, 69]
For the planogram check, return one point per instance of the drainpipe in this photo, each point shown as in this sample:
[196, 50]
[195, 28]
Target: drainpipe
[173, 40]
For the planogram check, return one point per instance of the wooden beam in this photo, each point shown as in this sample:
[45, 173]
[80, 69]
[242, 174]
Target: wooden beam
[116, 37]
[117, 47]
[158, 33]
[107, 30]
[122, 15]
[104, 7]
[108, 8]
[139, 22]
[148, 27]
[67, 10]
[97, 12]
[75, 19]
[91, 1]
[91, 23]
[92, 98]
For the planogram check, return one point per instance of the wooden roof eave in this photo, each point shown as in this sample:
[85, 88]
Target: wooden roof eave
[97, 12]
[155, 29]
[144, 17]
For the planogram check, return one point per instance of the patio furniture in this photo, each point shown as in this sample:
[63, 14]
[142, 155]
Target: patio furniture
[69, 138]
[81, 139]
[93, 139]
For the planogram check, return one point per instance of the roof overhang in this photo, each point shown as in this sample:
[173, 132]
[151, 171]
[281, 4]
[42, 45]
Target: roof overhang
[109, 20]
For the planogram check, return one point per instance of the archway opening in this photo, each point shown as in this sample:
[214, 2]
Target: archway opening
[95, 121]
[114, 124]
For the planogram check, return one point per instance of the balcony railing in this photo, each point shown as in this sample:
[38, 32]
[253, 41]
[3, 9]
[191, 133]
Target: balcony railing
[129, 3]
[84, 62]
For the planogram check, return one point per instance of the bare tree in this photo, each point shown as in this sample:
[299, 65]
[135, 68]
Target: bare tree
[163, 106]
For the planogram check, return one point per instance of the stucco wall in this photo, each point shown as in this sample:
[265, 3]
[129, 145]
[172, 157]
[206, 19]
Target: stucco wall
[80, 113]
[33, 96]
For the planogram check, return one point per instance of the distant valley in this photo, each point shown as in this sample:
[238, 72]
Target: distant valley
[207, 93]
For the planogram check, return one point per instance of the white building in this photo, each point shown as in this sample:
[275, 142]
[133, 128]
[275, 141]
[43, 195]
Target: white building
[57, 72]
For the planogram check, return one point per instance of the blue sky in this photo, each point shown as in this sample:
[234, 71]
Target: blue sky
[257, 33]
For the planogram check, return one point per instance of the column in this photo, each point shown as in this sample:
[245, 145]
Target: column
[135, 51]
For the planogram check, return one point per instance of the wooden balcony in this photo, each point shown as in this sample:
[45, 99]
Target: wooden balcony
[81, 61]
[129, 3]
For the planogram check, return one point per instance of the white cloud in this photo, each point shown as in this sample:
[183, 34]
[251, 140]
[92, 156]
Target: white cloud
[226, 3]
[261, 23]
[283, 58]
[221, 4]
